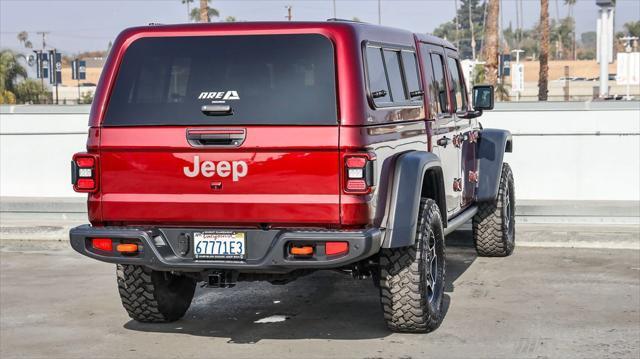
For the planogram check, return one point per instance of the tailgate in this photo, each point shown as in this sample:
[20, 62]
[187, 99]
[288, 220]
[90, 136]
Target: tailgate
[279, 175]
[163, 158]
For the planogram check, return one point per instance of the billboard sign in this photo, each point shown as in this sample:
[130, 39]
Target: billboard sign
[42, 65]
[78, 70]
[628, 71]
[517, 78]
[55, 67]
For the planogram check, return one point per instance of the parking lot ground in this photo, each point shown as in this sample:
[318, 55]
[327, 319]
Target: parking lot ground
[538, 303]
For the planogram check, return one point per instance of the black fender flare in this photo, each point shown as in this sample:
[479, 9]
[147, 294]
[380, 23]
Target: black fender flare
[404, 202]
[492, 145]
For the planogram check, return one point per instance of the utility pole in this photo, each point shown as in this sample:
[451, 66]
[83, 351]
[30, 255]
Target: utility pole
[605, 44]
[44, 45]
[379, 14]
[473, 37]
[289, 16]
[457, 26]
[44, 34]
[334, 9]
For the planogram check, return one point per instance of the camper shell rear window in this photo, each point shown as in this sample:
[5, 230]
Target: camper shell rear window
[261, 79]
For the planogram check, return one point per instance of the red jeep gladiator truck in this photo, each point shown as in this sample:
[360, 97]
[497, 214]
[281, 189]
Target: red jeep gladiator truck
[219, 153]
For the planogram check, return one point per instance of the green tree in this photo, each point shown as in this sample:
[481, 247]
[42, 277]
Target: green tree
[7, 97]
[587, 48]
[31, 91]
[230, 19]
[87, 98]
[11, 71]
[561, 33]
[461, 37]
[570, 4]
[632, 28]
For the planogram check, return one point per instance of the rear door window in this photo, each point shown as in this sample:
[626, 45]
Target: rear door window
[265, 79]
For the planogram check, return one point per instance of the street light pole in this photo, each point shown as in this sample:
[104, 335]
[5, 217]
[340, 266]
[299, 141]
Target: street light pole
[605, 43]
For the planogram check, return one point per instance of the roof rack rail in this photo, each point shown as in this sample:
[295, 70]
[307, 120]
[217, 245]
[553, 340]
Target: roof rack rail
[335, 19]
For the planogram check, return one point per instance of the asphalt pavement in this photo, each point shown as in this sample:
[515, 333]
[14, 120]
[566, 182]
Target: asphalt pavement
[539, 303]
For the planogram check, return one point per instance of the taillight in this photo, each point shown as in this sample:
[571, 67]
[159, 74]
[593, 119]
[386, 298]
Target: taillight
[336, 248]
[84, 172]
[358, 173]
[103, 244]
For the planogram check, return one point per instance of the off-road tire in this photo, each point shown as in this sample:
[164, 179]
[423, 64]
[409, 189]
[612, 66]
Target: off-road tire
[494, 227]
[154, 297]
[409, 303]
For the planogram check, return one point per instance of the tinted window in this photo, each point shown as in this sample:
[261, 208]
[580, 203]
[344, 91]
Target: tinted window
[266, 79]
[392, 61]
[411, 73]
[437, 87]
[377, 76]
[459, 97]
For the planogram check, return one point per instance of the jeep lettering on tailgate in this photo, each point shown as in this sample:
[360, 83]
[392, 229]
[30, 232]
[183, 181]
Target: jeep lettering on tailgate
[236, 169]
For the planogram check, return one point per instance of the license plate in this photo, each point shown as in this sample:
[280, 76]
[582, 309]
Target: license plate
[219, 245]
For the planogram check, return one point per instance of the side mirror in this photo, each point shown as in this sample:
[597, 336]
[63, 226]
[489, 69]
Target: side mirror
[483, 97]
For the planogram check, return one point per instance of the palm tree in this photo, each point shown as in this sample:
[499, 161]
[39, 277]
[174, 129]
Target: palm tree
[491, 42]
[204, 13]
[188, 3]
[543, 79]
[195, 14]
[23, 37]
[570, 4]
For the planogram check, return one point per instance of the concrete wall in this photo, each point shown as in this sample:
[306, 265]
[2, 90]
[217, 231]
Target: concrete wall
[573, 151]
[562, 151]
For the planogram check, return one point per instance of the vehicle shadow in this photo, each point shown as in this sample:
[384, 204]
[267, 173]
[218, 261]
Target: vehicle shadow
[324, 305]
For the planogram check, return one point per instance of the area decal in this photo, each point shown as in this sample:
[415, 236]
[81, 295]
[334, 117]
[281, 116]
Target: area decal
[219, 95]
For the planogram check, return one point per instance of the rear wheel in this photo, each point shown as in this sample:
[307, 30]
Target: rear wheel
[153, 296]
[494, 226]
[412, 278]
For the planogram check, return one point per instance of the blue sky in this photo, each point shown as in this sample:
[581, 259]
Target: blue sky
[78, 25]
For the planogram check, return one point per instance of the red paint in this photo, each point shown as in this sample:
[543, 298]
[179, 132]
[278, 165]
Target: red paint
[296, 174]
[85, 162]
[103, 244]
[336, 248]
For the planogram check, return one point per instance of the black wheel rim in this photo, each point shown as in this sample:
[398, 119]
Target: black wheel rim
[509, 215]
[431, 266]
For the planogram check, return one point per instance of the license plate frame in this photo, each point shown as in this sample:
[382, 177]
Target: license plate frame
[220, 245]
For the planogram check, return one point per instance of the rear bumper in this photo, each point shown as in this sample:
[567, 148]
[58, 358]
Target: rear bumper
[164, 248]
